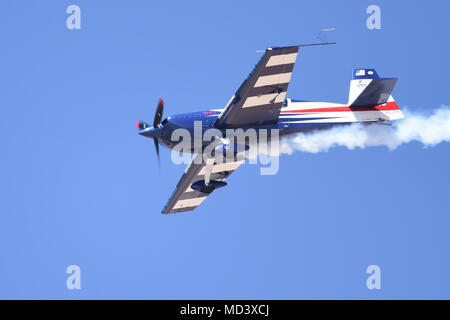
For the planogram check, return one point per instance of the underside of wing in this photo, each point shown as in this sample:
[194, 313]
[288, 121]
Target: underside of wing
[260, 97]
[184, 197]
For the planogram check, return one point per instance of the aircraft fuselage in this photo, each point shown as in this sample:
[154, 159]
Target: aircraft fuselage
[295, 116]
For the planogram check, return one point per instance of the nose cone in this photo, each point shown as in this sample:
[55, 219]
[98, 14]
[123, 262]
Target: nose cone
[151, 132]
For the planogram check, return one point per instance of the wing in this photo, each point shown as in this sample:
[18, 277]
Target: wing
[260, 97]
[184, 197]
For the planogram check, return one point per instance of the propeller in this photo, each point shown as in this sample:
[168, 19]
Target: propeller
[157, 150]
[156, 122]
[154, 131]
[159, 113]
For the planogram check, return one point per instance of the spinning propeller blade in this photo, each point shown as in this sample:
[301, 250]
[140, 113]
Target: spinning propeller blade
[156, 130]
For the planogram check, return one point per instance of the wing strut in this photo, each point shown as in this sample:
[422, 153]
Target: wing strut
[208, 170]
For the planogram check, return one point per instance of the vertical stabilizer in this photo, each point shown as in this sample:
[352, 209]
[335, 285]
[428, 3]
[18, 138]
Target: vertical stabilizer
[367, 89]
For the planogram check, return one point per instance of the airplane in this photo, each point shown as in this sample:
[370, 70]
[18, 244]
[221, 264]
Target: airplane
[261, 103]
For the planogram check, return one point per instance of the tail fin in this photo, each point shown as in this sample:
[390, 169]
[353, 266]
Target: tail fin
[369, 90]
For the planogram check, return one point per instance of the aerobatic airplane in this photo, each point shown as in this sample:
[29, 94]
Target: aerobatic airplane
[261, 103]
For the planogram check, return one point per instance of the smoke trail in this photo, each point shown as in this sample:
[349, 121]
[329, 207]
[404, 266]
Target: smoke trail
[429, 130]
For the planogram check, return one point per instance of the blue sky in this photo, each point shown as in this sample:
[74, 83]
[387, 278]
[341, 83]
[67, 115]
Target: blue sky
[79, 186]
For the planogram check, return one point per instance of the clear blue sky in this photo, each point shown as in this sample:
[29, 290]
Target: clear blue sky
[79, 186]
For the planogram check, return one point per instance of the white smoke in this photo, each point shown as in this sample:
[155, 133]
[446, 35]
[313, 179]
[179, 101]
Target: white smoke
[429, 130]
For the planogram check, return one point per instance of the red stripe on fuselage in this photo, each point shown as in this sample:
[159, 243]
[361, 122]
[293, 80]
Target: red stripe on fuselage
[381, 107]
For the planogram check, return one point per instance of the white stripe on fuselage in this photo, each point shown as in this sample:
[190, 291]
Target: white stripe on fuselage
[334, 117]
